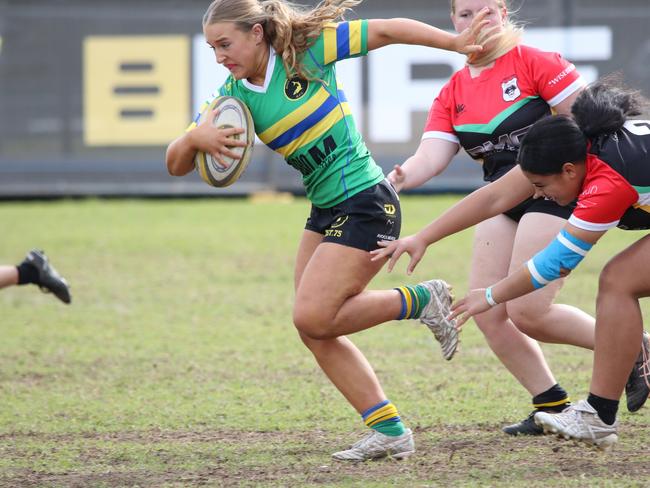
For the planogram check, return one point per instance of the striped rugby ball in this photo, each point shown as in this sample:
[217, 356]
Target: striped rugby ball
[232, 113]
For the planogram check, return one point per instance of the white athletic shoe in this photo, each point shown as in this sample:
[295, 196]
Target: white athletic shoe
[579, 422]
[435, 315]
[376, 445]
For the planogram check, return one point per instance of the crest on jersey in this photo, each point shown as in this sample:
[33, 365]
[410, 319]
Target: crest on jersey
[510, 89]
[295, 88]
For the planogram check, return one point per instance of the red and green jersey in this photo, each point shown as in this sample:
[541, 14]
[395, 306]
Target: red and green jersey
[616, 190]
[488, 115]
[309, 122]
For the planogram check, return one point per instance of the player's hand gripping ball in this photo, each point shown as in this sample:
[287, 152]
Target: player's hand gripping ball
[232, 113]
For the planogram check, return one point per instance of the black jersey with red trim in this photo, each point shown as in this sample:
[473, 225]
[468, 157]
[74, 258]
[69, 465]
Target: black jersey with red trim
[616, 190]
[488, 115]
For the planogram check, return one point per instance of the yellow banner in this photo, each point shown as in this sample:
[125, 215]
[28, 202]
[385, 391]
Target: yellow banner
[136, 89]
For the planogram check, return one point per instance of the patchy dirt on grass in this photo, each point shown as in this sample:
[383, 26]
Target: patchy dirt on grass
[446, 456]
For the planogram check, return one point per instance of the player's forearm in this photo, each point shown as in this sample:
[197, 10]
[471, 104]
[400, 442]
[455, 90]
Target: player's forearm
[476, 207]
[383, 32]
[417, 171]
[513, 286]
[180, 156]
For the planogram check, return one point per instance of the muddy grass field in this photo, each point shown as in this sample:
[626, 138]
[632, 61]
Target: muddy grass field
[177, 365]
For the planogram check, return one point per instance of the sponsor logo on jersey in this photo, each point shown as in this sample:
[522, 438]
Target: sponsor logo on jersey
[295, 88]
[505, 142]
[562, 75]
[510, 89]
[460, 108]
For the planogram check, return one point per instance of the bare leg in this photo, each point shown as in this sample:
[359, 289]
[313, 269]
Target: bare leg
[535, 314]
[331, 299]
[619, 323]
[338, 357]
[8, 276]
[520, 354]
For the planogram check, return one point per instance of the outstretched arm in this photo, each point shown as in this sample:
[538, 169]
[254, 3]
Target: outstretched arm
[482, 204]
[555, 261]
[431, 158]
[383, 32]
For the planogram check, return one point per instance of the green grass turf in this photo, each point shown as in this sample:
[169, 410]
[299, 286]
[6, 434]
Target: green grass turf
[177, 363]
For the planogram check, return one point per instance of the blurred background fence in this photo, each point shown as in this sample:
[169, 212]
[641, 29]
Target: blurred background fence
[92, 91]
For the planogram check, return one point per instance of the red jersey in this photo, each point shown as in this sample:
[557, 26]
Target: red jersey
[616, 190]
[489, 115]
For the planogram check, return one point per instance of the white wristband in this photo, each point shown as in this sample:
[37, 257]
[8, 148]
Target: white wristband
[488, 296]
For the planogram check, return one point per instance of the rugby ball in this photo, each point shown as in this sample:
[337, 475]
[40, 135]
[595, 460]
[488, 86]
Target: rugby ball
[232, 113]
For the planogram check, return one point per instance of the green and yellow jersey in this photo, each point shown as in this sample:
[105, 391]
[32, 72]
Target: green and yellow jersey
[309, 122]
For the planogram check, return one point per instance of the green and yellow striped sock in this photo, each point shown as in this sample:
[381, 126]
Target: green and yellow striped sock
[414, 299]
[384, 418]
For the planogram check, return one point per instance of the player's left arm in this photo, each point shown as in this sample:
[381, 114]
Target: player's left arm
[564, 107]
[555, 261]
[383, 32]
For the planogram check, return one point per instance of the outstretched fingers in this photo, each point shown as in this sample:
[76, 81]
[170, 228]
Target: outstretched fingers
[388, 250]
[468, 37]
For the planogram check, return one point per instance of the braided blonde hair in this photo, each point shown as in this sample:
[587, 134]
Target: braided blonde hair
[290, 28]
[498, 43]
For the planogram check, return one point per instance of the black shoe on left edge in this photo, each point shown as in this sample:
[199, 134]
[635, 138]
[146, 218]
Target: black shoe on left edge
[49, 280]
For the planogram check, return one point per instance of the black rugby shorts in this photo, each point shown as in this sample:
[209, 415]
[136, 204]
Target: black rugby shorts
[371, 215]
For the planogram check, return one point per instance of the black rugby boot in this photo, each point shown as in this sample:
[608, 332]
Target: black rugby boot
[49, 280]
[525, 427]
[637, 388]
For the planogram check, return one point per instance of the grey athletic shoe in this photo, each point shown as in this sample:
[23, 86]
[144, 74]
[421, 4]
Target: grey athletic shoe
[376, 445]
[435, 315]
[637, 388]
[579, 422]
[49, 280]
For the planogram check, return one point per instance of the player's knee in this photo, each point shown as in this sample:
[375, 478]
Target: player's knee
[610, 278]
[489, 324]
[310, 323]
[527, 318]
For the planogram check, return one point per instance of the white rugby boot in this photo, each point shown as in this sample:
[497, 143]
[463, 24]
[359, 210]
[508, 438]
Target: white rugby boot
[434, 316]
[376, 445]
[579, 422]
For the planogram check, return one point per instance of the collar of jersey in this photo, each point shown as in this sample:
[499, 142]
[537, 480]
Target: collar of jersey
[270, 66]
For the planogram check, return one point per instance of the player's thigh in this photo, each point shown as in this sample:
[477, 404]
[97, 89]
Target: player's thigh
[308, 244]
[333, 274]
[629, 270]
[492, 250]
[535, 231]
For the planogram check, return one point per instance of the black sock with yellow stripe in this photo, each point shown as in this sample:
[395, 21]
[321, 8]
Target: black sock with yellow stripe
[555, 399]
